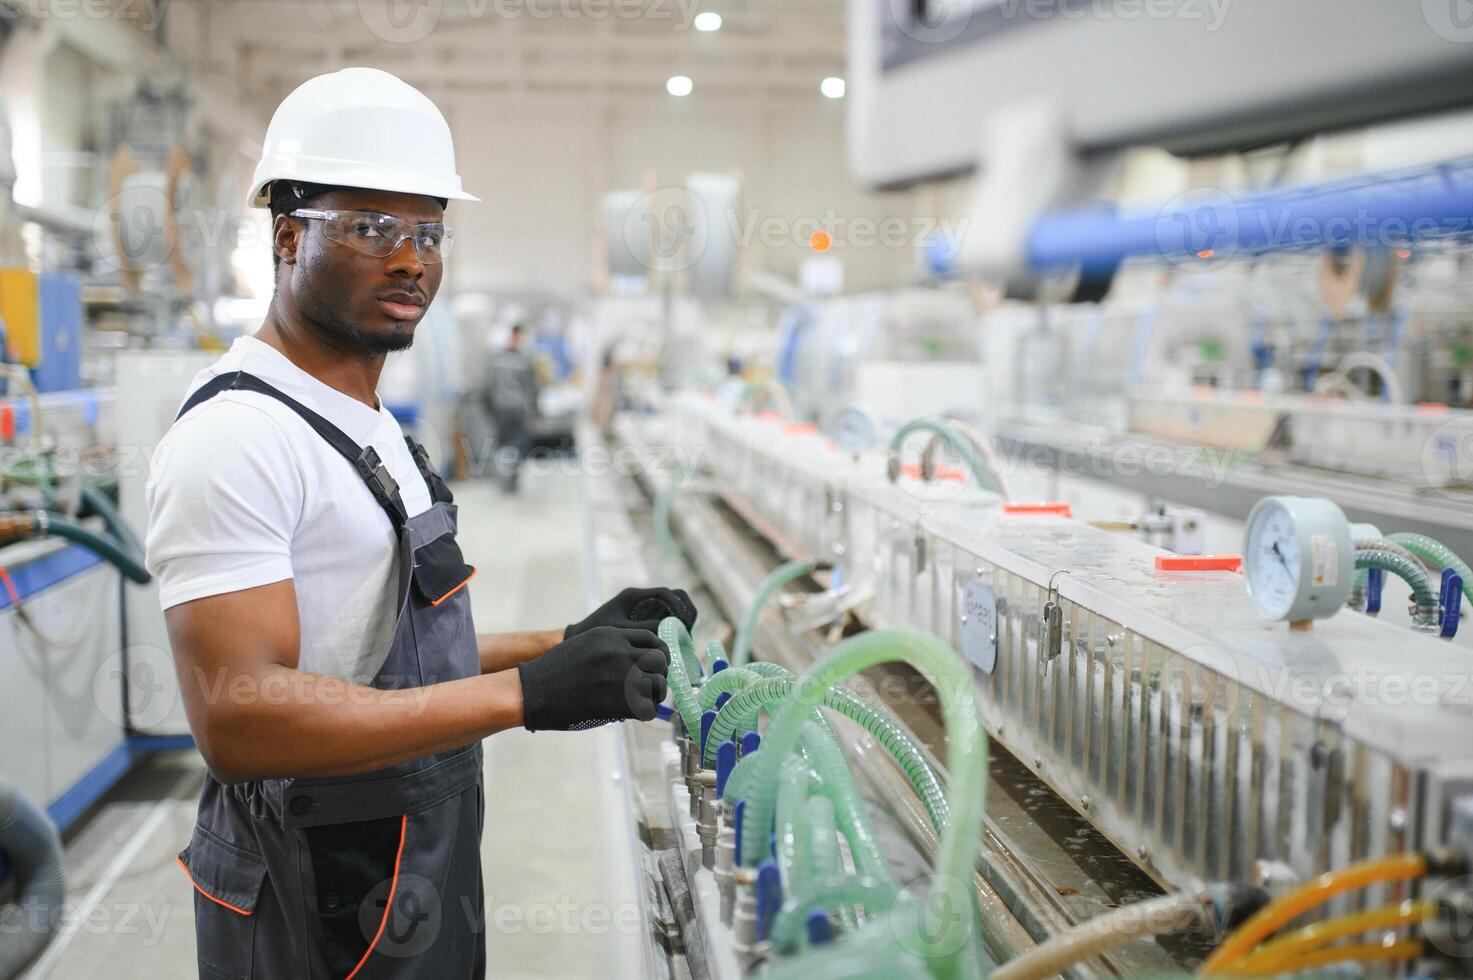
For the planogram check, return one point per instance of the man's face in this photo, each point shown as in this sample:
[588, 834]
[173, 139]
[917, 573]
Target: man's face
[357, 302]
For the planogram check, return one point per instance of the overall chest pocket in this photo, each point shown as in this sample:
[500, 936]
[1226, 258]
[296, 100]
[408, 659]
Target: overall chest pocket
[227, 887]
[440, 570]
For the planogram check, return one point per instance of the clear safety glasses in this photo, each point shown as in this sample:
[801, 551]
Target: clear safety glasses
[380, 235]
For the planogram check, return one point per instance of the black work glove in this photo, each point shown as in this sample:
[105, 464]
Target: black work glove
[604, 674]
[640, 609]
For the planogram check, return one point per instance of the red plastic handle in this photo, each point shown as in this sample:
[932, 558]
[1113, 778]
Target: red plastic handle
[1199, 563]
[1045, 507]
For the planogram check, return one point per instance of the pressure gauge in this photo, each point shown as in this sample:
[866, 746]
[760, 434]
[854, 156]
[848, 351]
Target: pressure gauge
[1298, 557]
[855, 430]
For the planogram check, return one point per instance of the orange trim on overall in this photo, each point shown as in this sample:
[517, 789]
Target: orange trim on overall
[217, 901]
[456, 589]
[393, 886]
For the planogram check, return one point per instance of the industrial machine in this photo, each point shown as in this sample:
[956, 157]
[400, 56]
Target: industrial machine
[1179, 744]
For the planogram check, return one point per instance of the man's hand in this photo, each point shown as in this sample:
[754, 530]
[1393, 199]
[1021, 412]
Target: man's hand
[639, 609]
[602, 674]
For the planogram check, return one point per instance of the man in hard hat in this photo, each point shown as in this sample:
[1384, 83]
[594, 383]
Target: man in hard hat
[316, 597]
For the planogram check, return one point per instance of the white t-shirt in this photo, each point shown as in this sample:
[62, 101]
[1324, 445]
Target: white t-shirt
[242, 493]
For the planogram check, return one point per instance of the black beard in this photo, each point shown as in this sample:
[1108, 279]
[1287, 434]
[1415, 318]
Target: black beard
[345, 335]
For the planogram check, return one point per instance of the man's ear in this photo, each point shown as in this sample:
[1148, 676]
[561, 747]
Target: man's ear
[286, 235]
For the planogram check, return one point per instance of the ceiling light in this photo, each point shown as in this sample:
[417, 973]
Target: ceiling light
[679, 85]
[707, 21]
[832, 87]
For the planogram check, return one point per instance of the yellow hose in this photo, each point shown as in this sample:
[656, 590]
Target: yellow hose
[1308, 939]
[1363, 953]
[1309, 896]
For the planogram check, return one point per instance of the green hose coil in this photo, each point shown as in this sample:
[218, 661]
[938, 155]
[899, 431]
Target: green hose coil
[979, 470]
[677, 640]
[1409, 571]
[949, 942]
[660, 514]
[825, 892]
[99, 503]
[741, 647]
[1437, 553]
[794, 855]
[827, 757]
[740, 715]
[105, 548]
[729, 681]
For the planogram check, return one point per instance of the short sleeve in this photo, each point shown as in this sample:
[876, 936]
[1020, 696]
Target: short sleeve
[225, 494]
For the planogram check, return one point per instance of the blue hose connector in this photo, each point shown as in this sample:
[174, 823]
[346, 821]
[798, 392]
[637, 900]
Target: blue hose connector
[769, 896]
[751, 742]
[718, 665]
[664, 712]
[721, 699]
[1452, 602]
[820, 928]
[707, 717]
[726, 757]
[1375, 581]
[736, 825]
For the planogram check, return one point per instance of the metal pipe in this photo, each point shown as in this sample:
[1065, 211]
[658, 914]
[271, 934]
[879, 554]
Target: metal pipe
[1372, 209]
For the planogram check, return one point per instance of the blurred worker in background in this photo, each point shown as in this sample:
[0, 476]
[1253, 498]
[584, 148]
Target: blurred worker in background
[511, 398]
[316, 597]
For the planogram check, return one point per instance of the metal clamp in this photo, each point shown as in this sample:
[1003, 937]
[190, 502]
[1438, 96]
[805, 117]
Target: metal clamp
[1051, 622]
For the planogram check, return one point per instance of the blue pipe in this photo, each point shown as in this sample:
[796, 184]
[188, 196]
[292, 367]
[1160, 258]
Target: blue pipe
[1373, 209]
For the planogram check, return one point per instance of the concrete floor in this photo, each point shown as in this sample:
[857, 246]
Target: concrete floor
[557, 894]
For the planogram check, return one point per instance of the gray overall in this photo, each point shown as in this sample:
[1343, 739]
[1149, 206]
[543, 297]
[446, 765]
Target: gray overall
[369, 876]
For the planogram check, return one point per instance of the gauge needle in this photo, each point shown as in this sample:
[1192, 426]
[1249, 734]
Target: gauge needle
[1279, 555]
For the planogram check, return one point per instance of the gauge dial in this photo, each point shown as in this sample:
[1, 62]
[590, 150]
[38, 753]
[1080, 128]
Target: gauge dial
[855, 431]
[1298, 558]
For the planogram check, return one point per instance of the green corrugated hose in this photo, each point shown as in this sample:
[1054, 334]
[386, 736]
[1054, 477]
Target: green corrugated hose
[741, 647]
[1437, 553]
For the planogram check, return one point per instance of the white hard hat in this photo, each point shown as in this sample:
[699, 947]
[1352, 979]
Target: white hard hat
[359, 127]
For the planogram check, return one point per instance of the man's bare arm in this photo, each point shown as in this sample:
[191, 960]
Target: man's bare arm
[254, 715]
[501, 651]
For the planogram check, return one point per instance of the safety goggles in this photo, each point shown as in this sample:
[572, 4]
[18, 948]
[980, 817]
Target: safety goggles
[380, 235]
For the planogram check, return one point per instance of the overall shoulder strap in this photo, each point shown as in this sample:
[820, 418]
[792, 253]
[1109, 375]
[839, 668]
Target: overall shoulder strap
[439, 492]
[365, 459]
